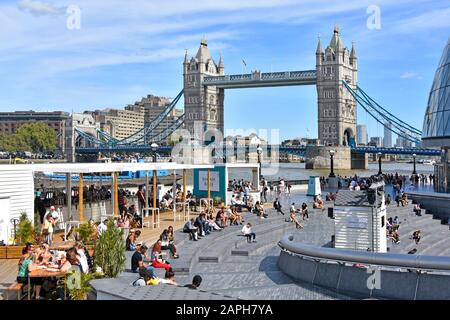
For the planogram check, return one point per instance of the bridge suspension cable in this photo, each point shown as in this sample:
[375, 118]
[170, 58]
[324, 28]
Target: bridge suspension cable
[147, 130]
[399, 127]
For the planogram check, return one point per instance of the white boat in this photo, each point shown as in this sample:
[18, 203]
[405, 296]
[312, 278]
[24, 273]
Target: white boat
[429, 162]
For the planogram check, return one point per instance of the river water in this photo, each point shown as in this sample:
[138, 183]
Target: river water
[297, 171]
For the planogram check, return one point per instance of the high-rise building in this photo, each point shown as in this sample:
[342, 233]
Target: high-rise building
[376, 141]
[120, 123]
[402, 142]
[387, 141]
[361, 134]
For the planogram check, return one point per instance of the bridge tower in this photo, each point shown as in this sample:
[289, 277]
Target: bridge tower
[336, 106]
[203, 104]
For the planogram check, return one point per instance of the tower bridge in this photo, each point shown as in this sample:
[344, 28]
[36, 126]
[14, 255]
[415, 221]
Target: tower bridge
[335, 77]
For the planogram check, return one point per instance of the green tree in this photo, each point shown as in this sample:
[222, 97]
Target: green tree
[13, 143]
[39, 136]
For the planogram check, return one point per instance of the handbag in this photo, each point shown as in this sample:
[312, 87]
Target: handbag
[45, 232]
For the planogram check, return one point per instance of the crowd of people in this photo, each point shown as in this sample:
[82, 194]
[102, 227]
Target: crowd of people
[77, 259]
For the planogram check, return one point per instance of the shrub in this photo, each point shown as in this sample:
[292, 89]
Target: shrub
[109, 252]
[25, 230]
[217, 201]
[77, 284]
[85, 233]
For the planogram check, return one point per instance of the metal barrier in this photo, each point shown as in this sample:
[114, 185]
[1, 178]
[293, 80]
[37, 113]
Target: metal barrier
[362, 274]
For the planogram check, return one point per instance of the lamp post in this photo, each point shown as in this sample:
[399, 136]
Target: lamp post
[154, 146]
[259, 151]
[332, 175]
[414, 163]
[379, 163]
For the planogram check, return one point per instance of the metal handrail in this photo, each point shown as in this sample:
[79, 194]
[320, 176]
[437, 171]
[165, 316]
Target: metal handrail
[393, 260]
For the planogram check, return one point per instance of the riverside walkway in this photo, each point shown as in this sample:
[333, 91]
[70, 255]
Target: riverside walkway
[231, 268]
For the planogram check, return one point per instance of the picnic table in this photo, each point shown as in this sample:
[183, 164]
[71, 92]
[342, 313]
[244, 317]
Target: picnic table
[43, 273]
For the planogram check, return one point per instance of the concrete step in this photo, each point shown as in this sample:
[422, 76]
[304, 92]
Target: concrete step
[292, 291]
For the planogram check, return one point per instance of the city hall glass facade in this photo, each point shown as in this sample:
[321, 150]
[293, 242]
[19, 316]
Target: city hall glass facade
[436, 124]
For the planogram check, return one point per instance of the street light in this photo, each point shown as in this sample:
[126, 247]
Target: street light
[379, 163]
[414, 163]
[332, 175]
[259, 151]
[154, 146]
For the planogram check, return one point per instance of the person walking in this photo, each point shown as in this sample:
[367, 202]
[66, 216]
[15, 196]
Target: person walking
[277, 206]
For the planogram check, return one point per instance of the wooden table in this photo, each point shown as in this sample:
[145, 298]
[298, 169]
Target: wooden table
[42, 273]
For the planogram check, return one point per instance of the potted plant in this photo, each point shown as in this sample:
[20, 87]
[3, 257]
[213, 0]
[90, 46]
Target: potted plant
[109, 252]
[25, 230]
[77, 284]
[84, 233]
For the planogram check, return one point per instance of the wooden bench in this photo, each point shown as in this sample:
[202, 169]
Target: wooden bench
[15, 287]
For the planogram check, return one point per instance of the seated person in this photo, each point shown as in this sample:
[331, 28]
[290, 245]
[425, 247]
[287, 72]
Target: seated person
[137, 260]
[191, 229]
[202, 226]
[131, 242]
[250, 202]
[221, 218]
[167, 245]
[404, 199]
[169, 278]
[417, 235]
[259, 210]
[212, 223]
[247, 231]
[145, 278]
[156, 256]
[417, 210]
[396, 221]
[395, 237]
[235, 217]
[196, 281]
[318, 203]
[26, 265]
[231, 216]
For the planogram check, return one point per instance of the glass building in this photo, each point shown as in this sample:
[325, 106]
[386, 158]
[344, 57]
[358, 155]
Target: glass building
[436, 124]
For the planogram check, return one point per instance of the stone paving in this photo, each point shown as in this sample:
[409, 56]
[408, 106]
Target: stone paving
[233, 269]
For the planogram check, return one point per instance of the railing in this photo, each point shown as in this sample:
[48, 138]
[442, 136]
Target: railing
[418, 151]
[390, 260]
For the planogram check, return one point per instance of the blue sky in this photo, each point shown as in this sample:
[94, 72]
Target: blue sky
[127, 49]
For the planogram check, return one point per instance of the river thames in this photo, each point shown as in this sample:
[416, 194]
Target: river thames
[297, 171]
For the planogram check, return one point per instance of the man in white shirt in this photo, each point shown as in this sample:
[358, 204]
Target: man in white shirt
[102, 227]
[247, 231]
[53, 213]
[83, 259]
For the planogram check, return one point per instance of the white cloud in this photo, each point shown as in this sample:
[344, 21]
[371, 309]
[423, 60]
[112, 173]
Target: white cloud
[410, 75]
[40, 8]
[427, 20]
